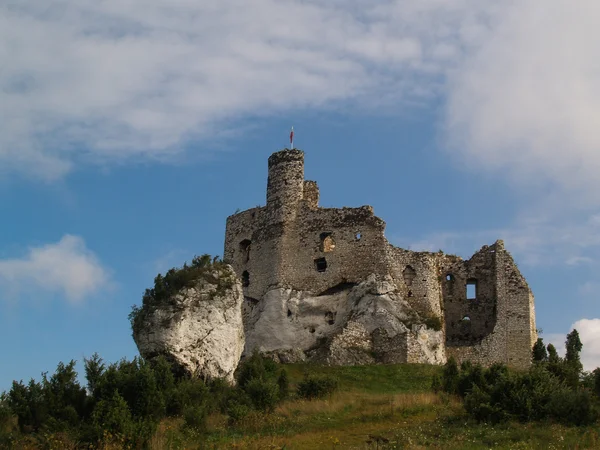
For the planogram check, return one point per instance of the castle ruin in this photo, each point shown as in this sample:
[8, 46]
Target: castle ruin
[484, 303]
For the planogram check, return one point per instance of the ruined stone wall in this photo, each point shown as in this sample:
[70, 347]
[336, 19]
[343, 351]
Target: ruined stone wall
[417, 277]
[293, 243]
[328, 247]
[501, 324]
[252, 247]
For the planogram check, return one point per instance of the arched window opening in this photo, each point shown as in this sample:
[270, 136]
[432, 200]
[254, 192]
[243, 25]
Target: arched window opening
[449, 277]
[321, 264]
[409, 275]
[465, 319]
[245, 279]
[358, 236]
[245, 249]
[471, 289]
[327, 242]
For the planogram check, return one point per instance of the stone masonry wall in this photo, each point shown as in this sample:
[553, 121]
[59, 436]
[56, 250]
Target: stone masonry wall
[293, 243]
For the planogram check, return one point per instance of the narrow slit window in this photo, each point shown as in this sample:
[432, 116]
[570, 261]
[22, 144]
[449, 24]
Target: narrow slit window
[321, 264]
[245, 249]
[471, 289]
[245, 279]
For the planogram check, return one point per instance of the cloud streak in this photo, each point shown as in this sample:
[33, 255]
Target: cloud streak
[112, 80]
[66, 267]
[116, 80]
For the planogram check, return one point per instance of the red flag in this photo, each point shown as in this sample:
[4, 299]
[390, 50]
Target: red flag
[292, 136]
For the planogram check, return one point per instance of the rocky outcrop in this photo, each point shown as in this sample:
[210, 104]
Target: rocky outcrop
[200, 328]
[205, 329]
[363, 324]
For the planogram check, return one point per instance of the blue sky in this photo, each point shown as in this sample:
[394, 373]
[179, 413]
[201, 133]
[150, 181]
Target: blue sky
[132, 130]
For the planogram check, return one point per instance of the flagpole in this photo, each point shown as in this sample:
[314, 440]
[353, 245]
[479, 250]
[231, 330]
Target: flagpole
[292, 138]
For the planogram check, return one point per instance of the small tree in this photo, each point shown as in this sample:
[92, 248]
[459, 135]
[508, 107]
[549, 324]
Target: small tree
[450, 376]
[539, 352]
[553, 357]
[596, 373]
[574, 346]
[94, 368]
[284, 384]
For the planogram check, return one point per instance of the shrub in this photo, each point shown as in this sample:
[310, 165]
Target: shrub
[256, 367]
[283, 384]
[539, 353]
[194, 416]
[175, 279]
[316, 386]
[264, 394]
[450, 376]
[433, 323]
[572, 407]
[112, 415]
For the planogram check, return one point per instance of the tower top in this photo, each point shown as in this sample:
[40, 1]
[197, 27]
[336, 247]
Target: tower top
[286, 155]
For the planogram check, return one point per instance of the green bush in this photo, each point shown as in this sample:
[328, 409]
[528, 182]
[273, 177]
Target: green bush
[283, 384]
[316, 386]
[264, 394]
[497, 394]
[572, 407]
[194, 416]
[450, 376]
[112, 415]
[177, 278]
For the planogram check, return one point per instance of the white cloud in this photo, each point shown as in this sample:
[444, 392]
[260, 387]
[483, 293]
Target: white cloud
[526, 100]
[66, 267]
[118, 80]
[112, 80]
[589, 334]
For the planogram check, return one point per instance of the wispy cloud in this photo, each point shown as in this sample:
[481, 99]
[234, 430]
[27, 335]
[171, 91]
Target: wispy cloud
[526, 101]
[535, 241]
[112, 80]
[66, 267]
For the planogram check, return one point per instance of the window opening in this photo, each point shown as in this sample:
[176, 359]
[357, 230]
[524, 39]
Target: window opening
[466, 319]
[327, 242]
[245, 249]
[358, 235]
[409, 275]
[330, 317]
[245, 279]
[471, 289]
[449, 277]
[321, 264]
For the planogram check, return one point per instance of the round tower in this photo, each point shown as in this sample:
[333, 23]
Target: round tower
[286, 182]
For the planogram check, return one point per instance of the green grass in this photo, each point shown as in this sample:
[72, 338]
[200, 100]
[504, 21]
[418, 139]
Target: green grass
[377, 379]
[377, 407]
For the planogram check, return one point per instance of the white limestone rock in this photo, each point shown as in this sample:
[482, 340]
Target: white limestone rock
[370, 322]
[200, 329]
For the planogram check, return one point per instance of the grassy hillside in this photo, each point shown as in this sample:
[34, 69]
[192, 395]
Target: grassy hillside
[138, 405]
[376, 407]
